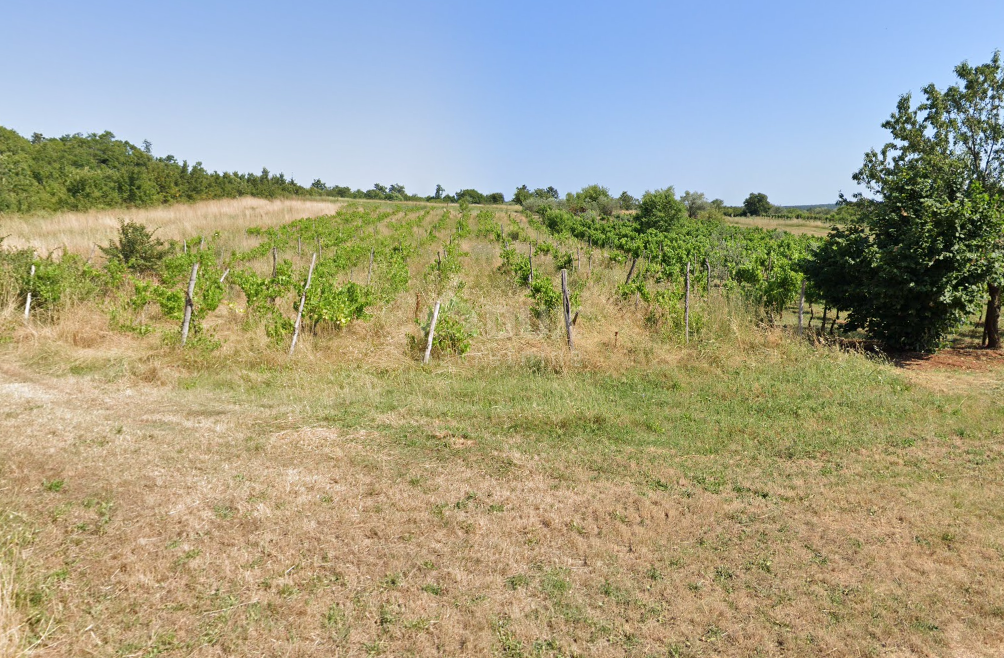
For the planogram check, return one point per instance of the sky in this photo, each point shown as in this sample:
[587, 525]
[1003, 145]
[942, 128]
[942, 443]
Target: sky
[725, 98]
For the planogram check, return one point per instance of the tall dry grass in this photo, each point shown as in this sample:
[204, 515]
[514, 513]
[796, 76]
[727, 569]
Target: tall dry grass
[78, 232]
[10, 618]
[796, 226]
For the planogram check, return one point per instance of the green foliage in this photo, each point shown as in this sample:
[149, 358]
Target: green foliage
[695, 202]
[546, 298]
[15, 266]
[392, 274]
[516, 264]
[65, 281]
[136, 248]
[763, 265]
[660, 210]
[488, 226]
[261, 291]
[913, 269]
[80, 172]
[453, 329]
[464, 222]
[911, 265]
[336, 305]
[627, 201]
[756, 204]
[448, 263]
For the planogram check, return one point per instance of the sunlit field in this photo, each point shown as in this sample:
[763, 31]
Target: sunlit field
[724, 486]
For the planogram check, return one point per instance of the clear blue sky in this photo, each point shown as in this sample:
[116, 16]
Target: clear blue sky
[726, 98]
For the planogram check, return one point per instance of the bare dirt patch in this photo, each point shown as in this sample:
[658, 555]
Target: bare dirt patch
[954, 370]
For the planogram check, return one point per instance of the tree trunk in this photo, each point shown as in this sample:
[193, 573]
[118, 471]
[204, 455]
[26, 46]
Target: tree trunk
[991, 323]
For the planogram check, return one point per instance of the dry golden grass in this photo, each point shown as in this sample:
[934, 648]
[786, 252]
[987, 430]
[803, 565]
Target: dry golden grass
[78, 232]
[193, 524]
[796, 226]
[10, 620]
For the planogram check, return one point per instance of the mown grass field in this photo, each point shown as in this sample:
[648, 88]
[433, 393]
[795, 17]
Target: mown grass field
[748, 493]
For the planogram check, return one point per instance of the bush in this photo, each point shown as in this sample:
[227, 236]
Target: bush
[136, 248]
[453, 331]
[545, 298]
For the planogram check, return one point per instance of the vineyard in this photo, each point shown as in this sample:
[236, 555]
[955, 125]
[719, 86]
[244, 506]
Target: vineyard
[372, 262]
[426, 429]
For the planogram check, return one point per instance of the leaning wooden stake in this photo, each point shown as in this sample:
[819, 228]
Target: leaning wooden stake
[432, 330]
[189, 303]
[224, 277]
[303, 300]
[531, 264]
[27, 303]
[801, 308]
[631, 270]
[369, 274]
[567, 305]
[686, 309]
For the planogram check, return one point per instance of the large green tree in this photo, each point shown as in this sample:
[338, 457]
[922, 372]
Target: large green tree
[756, 204]
[911, 266]
[660, 210]
[961, 129]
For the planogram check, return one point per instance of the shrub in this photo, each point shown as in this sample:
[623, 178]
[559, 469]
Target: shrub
[136, 247]
[453, 329]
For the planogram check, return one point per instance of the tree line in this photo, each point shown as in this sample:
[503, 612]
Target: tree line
[82, 172]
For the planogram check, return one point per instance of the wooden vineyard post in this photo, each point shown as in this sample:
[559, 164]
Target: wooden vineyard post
[530, 281]
[686, 309]
[299, 245]
[432, 330]
[303, 300]
[801, 308]
[369, 273]
[189, 303]
[202, 243]
[631, 271]
[578, 258]
[318, 246]
[707, 263]
[224, 277]
[567, 305]
[27, 303]
[275, 270]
